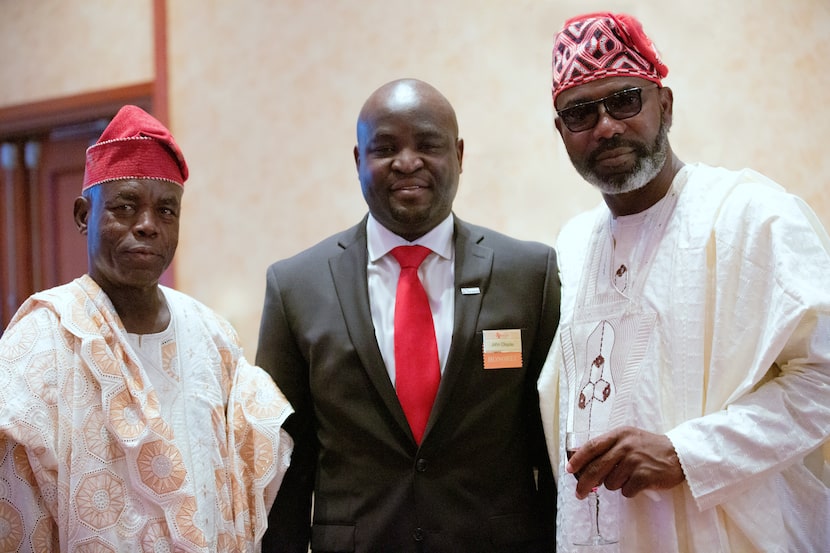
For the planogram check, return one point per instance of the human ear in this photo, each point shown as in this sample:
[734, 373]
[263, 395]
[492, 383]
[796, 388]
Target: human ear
[667, 103]
[81, 213]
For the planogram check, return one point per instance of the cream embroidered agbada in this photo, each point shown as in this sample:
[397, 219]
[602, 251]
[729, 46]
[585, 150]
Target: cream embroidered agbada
[716, 333]
[92, 457]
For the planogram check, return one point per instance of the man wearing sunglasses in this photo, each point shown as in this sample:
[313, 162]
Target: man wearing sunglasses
[695, 326]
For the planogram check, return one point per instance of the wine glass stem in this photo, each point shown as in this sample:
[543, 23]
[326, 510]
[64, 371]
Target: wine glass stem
[595, 516]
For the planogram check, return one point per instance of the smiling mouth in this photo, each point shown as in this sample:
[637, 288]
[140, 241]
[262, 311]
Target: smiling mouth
[410, 191]
[408, 185]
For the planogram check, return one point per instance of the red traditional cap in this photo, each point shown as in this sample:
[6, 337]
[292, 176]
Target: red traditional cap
[135, 145]
[599, 45]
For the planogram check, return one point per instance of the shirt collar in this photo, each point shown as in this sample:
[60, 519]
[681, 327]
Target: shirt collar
[380, 240]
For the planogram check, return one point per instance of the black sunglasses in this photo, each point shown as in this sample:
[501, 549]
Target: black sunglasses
[620, 105]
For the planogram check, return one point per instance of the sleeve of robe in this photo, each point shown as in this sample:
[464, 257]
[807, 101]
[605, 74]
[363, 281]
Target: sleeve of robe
[31, 495]
[767, 352]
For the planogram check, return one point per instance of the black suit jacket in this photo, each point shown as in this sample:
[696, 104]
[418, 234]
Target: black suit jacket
[480, 481]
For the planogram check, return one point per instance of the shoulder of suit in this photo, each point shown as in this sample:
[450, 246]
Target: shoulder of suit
[498, 240]
[325, 248]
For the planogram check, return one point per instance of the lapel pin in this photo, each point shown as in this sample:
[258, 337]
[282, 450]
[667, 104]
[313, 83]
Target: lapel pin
[470, 291]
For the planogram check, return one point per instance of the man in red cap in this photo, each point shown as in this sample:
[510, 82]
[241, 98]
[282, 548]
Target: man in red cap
[694, 339]
[129, 418]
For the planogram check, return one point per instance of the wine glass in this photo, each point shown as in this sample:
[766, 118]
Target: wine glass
[573, 441]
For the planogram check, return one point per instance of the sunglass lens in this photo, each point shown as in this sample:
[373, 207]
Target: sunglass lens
[624, 104]
[579, 118]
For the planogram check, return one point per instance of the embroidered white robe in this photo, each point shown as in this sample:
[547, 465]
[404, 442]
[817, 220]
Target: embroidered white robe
[723, 345]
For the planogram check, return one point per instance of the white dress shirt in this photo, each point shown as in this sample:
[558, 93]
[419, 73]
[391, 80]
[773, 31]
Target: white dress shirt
[437, 274]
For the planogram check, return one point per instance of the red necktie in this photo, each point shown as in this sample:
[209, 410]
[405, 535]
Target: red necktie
[416, 352]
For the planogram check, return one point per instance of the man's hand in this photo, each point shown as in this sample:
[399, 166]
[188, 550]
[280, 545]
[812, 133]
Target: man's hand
[627, 459]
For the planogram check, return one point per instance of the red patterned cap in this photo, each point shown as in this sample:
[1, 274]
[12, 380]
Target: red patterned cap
[135, 145]
[599, 45]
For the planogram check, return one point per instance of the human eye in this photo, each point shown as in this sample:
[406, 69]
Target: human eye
[624, 101]
[168, 208]
[577, 115]
[122, 209]
[432, 145]
[382, 149]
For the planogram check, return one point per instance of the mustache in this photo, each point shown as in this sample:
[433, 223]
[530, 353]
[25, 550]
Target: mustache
[617, 142]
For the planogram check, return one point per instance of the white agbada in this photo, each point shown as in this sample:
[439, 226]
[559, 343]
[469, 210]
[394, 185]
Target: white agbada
[712, 325]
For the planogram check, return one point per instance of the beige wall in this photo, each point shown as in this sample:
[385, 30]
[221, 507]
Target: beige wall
[264, 95]
[53, 48]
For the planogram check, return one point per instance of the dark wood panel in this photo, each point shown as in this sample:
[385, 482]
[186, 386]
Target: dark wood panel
[41, 117]
[61, 177]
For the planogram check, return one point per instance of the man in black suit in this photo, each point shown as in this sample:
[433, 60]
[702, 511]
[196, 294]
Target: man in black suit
[472, 474]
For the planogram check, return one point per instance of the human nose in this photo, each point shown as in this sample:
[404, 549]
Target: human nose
[407, 161]
[146, 223]
[607, 126]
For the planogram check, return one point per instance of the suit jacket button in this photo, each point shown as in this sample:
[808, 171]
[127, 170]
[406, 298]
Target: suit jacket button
[418, 535]
[421, 465]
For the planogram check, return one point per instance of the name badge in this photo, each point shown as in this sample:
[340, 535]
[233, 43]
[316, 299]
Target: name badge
[502, 349]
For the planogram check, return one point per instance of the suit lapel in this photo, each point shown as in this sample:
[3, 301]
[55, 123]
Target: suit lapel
[348, 271]
[473, 267]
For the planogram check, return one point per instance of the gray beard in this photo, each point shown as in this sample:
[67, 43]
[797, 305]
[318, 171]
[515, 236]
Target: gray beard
[650, 161]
